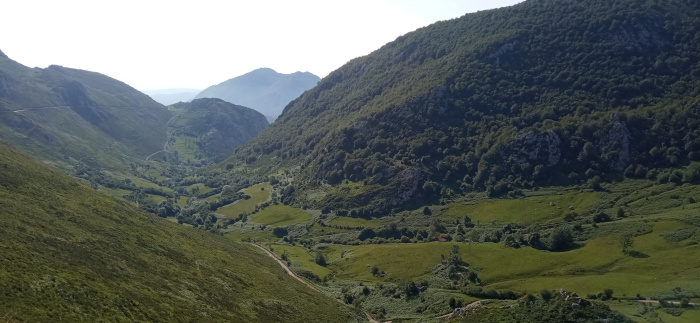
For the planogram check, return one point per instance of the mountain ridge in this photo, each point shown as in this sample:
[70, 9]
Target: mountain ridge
[517, 97]
[262, 89]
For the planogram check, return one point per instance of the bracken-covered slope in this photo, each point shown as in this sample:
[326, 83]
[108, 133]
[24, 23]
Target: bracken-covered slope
[263, 90]
[217, 127]
[71, 254]
[60, 113]
[543, 92]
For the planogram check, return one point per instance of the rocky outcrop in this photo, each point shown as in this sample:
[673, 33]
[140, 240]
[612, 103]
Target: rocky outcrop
[410, 183]
[532, 146]
[617, 143]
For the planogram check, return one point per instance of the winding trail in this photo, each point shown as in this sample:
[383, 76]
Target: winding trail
[167, 139]
[269, 253]
[40, 108]
[285, 267]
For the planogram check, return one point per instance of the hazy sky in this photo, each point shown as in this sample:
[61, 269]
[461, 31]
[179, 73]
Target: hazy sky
[153, 44]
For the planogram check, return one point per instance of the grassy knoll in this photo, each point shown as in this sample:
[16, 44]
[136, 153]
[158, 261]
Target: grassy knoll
[356, 222]
[302, 259]
[280, 215]
[258, 193]
[527, 210]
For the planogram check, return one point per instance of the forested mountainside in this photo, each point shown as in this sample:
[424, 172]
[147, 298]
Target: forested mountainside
[63, 114]
[71, 254]
[543, 92]
[216, 126]
[263, 90]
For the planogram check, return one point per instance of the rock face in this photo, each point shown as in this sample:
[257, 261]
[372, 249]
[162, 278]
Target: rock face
[617, 142]
[538, 147]
[411, 182]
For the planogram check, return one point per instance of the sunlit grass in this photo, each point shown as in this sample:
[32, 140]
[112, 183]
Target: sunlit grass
[258, 193]
[527, 210]
[280, 215]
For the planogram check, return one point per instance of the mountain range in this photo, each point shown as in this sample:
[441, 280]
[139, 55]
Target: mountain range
[263, 90]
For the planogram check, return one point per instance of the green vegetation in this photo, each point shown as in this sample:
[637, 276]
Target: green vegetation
[527, 210]
[355, 222]
[210, 130]
[72, 254]
[500, 102]
[186, 148]
[280, 215]
[258, 193]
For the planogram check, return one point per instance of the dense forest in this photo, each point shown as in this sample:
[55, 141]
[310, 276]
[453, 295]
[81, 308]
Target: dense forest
[540, 93]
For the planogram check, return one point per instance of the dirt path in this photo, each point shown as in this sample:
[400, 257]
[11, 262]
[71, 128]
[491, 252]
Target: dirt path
[167, 140]
[369, 317]
[286, 268]
[41, 108]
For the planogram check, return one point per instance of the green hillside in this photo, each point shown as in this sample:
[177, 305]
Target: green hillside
[71, 116]
[540, 93]
[70, 254]
[212, 129]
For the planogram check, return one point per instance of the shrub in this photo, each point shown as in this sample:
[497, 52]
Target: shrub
[561, 239]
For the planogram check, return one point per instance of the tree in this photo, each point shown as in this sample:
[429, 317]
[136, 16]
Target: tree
[320, 260]
[607, 294]
[626, 241]
[561, 239]
[280, 232]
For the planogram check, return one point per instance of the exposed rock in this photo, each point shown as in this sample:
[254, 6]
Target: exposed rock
[617, 142]
[575, 306]
[642, 37]
[411, 181]
[534, 146]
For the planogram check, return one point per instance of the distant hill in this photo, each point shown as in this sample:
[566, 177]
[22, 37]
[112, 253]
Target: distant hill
[545, 92]
[71, 254]
[69, 115]
[263, 90]
[215, 127]
[171, 96]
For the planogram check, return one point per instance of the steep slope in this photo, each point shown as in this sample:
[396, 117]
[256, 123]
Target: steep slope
[539, 93]
[60, 113]
[263, 90]
[216, 126]
[172, 96]
[70, 254]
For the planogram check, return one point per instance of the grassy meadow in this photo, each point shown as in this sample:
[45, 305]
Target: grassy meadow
[258, 193]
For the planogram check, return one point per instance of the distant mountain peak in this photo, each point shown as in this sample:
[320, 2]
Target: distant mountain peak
[262, 89]
[2, 54]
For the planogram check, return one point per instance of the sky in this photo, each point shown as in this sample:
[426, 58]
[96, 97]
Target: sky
[154, 44]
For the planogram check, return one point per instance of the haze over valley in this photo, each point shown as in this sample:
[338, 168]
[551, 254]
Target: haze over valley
[507, 161]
